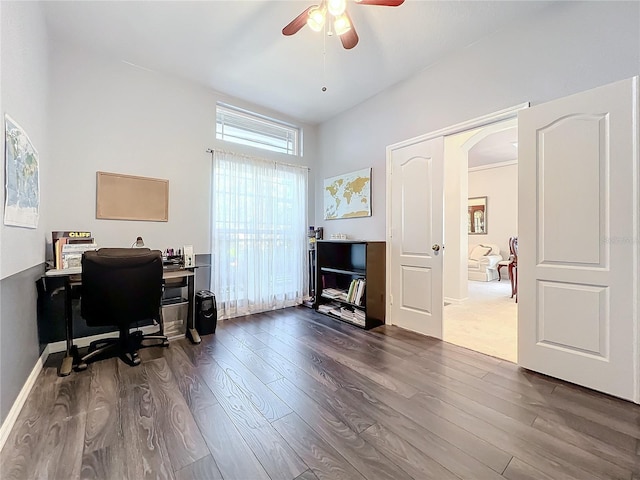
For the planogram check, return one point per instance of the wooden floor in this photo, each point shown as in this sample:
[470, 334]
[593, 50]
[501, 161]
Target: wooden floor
[296, 395]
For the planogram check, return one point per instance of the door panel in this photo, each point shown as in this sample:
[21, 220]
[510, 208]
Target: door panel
[574, 146]
[578, 218]
[416, 281]
[415, 226]
[573, 318]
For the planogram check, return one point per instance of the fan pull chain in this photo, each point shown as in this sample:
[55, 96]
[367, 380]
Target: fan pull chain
[324, 59]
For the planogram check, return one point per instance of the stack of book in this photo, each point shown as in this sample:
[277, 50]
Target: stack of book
[355, 315]
[359, 317]
[332, 308]
[68, 248]
[334, 293]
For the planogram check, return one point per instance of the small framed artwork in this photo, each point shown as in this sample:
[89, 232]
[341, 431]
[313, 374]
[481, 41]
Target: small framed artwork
[477, 216]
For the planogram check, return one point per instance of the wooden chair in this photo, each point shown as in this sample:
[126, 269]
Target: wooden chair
[513, 266]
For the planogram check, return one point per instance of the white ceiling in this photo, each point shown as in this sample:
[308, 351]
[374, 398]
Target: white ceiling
[237, 48]
[498, 147]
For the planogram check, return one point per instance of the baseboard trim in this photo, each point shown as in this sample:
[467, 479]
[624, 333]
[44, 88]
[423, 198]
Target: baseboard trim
[10, 421]
[456, 301]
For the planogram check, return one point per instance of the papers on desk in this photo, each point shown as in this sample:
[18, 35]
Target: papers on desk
[72, 253]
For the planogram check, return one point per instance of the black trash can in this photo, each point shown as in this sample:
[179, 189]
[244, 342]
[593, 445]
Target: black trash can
[206, 312]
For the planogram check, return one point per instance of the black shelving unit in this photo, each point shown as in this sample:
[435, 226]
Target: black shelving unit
[338, 263]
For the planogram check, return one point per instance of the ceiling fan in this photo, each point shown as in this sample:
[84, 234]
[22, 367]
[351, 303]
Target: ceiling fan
[334, 13]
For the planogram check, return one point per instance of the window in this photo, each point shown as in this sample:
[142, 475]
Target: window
[248, 128]
[258, 234]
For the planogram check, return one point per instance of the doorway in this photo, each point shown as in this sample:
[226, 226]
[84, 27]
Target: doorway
[416, 240]
[576, 300]
[480, 313]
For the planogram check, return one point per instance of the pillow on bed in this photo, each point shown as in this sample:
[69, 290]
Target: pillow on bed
[478, 252]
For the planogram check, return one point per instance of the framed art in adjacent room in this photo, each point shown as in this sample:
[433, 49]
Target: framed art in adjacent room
[477, 216]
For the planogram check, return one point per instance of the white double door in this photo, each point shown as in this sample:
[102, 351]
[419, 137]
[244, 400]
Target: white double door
[579, 243]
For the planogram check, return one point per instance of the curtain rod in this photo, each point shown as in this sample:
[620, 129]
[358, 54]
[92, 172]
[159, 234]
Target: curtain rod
[213, 150]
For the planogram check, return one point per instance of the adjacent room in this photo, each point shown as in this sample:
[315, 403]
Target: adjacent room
[341, 239]
[485, 320]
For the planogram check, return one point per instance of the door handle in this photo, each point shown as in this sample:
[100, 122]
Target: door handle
[435, 247]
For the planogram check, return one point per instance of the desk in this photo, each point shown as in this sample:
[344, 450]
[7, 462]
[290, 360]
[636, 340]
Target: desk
[73, 277]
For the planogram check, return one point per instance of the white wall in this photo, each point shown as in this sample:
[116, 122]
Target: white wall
[107, 115]
[455, 267]
[568, 48]
[500, 186]
[24, 96]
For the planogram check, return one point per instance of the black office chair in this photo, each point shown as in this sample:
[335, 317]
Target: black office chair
[121, 287]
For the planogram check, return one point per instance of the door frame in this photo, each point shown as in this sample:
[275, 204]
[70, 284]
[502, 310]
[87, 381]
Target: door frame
[477, 122]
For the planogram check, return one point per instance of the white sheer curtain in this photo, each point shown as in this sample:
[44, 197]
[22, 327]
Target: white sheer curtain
[258, 234]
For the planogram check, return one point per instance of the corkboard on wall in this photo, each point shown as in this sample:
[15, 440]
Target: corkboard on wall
[126, 197]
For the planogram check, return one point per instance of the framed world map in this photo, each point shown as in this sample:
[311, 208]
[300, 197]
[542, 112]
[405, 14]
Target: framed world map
[348, 195]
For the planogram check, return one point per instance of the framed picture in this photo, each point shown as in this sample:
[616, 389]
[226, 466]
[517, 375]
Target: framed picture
[348, 195]
[477, 216]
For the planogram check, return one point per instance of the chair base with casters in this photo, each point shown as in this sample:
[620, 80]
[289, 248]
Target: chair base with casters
[126, 344]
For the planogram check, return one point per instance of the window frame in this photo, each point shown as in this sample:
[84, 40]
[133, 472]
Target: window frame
[243, 124]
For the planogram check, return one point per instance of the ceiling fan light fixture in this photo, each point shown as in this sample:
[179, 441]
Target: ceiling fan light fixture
[332, 17]
[336, 7]
[316, 19]
[342, 24]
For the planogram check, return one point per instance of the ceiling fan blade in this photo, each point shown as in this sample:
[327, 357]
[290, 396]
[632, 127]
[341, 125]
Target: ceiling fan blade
[349, 39]
[297, 23]
[382, 3]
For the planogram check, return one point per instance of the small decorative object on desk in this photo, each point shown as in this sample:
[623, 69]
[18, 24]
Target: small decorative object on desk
[139, 243]
[338, 236]
[189, 257]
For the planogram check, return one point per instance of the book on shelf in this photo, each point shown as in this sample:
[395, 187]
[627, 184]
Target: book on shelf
[355, 315]
[334, 294]
[352, 290]
[72, 253]
[354, 294]
[359, 292]
[332, 308]
[59, 239]
[331, 293]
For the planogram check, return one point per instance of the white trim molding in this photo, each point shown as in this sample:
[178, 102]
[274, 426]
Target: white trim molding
[493, 165]
[455, 301]
[11, 418]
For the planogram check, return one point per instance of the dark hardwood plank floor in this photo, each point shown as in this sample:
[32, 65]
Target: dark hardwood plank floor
[295, 395]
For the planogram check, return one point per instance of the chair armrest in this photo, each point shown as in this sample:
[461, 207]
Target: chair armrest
[490, 261]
